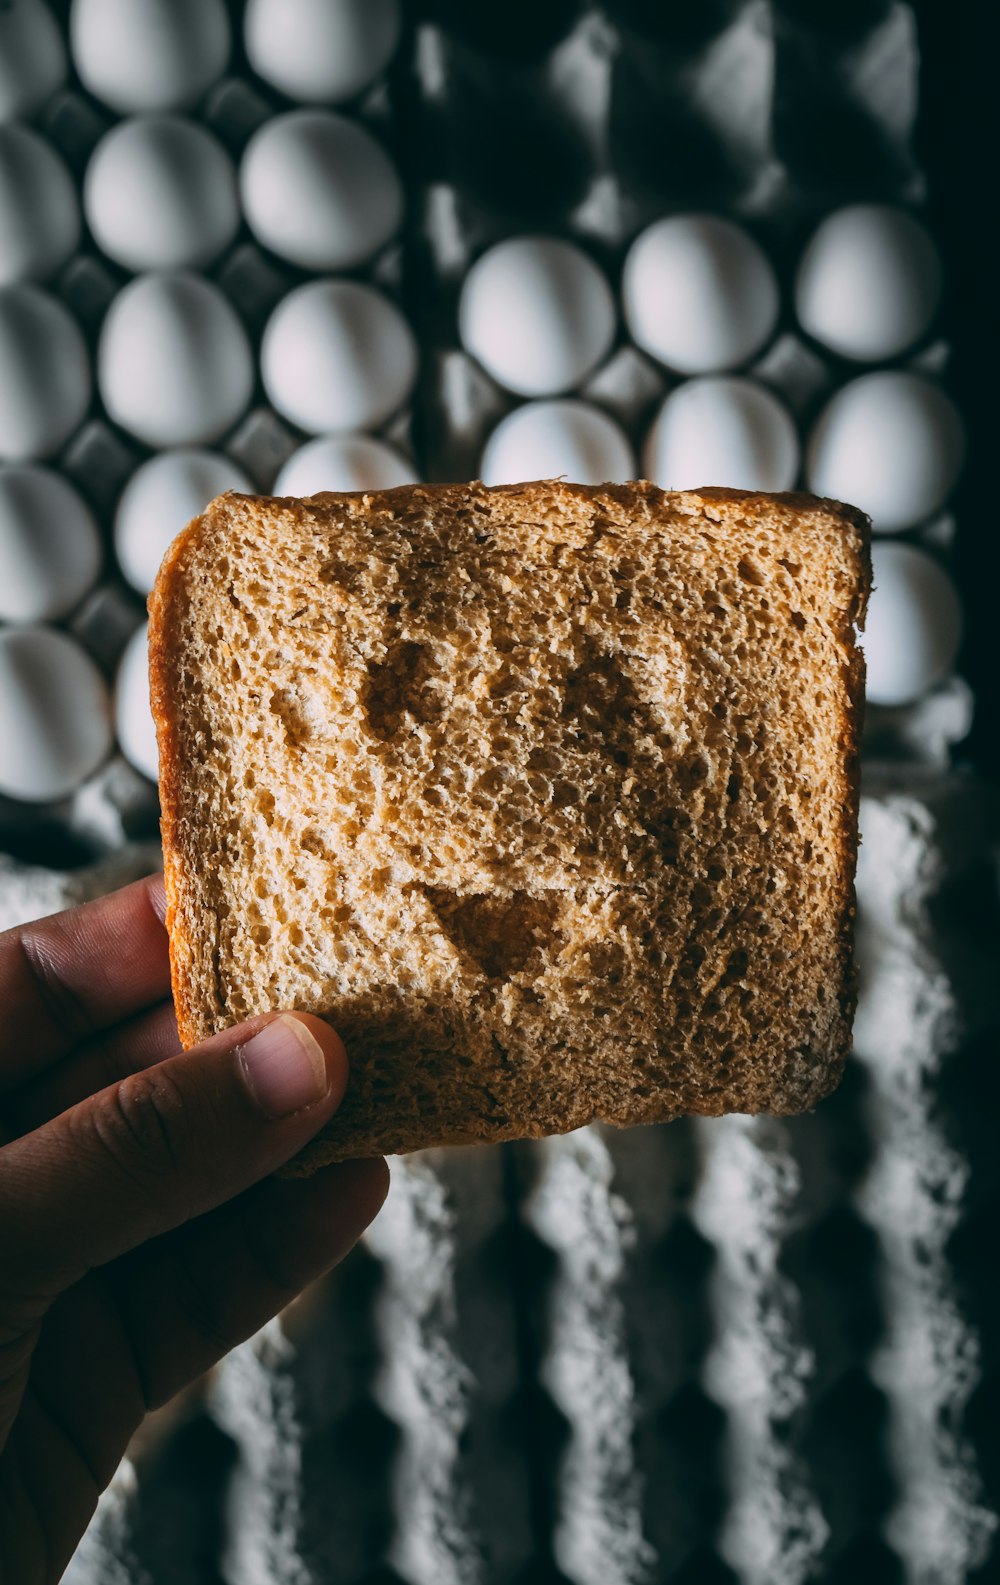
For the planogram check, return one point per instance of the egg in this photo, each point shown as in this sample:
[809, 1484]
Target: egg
[50, 550]
[538, 315]
[46, 386]
[320, 51]
[343, 462]
[142, 55]
[318, 190]
[160, 499]
[337, 355]
[32, 58]
[891, 443]
[557, 439]
[868, 283]
[174, 365]
[722, 430]
[914, 625]
[39, 212]
[160, 194]
[55, 714]
[134, 725]
[698, 294]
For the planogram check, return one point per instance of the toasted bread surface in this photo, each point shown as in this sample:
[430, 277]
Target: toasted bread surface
[544, 795]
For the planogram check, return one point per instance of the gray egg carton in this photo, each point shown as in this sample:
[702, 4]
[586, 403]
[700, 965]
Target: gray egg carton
[716, 1351]
[576, 120]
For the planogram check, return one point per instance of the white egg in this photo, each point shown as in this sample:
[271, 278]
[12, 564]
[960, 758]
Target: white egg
[320, 50]
[336, 356]
[45, 388]
[538, 314]
[868, 283]
[343, 462]
[134, 724]
[317, 189]
[699, 294]
[914, 624]
[160, 194]
[55, 714]
[141, 55]
[722, 430]
[160, 499]
[32, 57]
[50, 550]
[174, 365]
[891, 443]
[561, 439]
[39, 212]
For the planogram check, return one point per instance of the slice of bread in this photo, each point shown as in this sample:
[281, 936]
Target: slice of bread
[546, 796]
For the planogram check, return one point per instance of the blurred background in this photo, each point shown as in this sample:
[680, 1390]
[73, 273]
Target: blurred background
[296, 245]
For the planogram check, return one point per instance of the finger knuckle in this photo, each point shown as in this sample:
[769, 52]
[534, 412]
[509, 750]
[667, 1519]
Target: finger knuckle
[61, 1005]
[137, 1128]
[205, 1310]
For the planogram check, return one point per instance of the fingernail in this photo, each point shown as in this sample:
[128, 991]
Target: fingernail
[284, 1067]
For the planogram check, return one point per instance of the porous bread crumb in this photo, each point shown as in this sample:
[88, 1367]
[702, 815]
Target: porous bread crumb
[544, 795]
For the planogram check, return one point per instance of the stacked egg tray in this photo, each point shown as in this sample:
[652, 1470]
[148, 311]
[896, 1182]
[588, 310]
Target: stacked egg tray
[741, 1349]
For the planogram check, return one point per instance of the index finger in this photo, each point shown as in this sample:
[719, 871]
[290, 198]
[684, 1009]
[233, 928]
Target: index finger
[73, 974]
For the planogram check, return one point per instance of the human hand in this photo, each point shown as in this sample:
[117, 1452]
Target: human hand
[137, 1241]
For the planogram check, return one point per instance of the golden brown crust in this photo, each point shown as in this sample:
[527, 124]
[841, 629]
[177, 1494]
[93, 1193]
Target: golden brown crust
[815, 1074]
[164, 605]
[853, 724]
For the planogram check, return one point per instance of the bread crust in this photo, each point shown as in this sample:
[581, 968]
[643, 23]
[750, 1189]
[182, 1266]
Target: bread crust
[164, 604]
[169, 606]
[852, 727]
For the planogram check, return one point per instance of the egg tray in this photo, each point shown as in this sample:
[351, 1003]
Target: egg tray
[118, 804]
[742, 1350]
[579, 121]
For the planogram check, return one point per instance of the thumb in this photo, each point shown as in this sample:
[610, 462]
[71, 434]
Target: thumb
[168, 1143]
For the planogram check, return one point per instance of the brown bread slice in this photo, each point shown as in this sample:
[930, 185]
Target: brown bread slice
[546, 796]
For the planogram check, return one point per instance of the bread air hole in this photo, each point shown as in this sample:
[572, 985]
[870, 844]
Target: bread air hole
[736, 967]
[750, 572]
[317, 841]
[667, 838]
[690, 961]
[692, 771]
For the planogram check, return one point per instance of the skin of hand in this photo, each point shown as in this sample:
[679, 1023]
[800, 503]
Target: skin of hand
[141, 1232]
